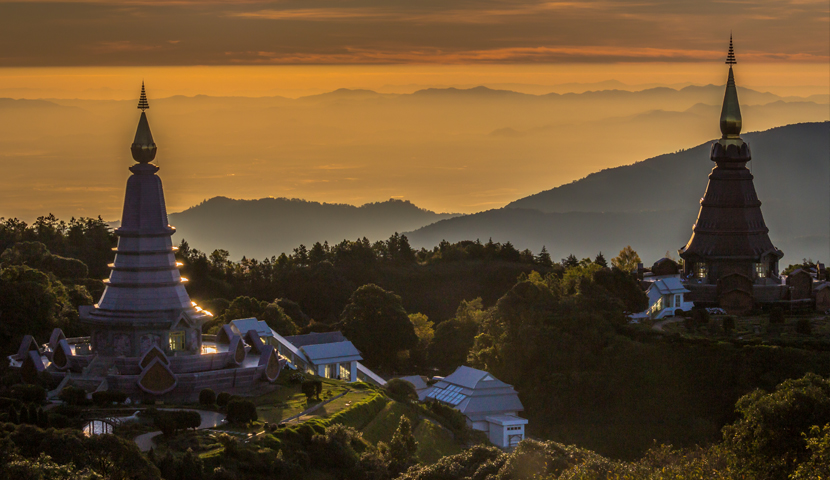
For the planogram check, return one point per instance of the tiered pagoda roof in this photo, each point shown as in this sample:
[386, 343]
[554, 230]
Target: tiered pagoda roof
[730, 225]
[144, 286]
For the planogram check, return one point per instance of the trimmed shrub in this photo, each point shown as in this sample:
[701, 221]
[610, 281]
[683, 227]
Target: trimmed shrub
[296, 378]
[74, 396]
[108, 397]
[207, 397]
[401, 390]
[776, 316]
[700, 316]
[171, 421]
[29, 393]
[803, 326]
[312, 388]
[729, 325]
[241, 411]
[223, 398]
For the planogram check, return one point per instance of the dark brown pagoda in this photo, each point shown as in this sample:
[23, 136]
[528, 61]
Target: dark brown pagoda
[730, 260]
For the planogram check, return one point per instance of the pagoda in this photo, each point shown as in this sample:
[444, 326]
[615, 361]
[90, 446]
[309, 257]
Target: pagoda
[145, 333]
[730, 261]
[144, 303]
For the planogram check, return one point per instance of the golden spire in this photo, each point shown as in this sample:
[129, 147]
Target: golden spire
[143, 147]
[730, 114]
[142, 101]
[730, 58]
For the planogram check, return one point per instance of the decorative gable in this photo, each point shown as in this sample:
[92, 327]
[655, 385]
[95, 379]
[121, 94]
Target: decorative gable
[157, 378]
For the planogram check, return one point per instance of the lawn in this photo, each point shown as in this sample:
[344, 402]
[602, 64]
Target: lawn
[386, 422]
[288, 401]
[434, 442]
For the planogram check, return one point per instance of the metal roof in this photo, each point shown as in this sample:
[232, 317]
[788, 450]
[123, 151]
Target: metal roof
[475, 393]
[667, 286]
[244, 325]
[331, 352]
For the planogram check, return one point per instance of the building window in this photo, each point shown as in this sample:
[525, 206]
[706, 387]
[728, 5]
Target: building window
[176, 341]
[761, 270]
[678, 299]
[702, 270]
[345, 372]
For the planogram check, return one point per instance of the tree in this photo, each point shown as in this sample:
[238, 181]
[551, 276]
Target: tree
[401, 390]
[276, 318]
[376, 322]
[570, 261]
[544, 258]
[402, 448]
[453, 338]
[425, 332]
[627, 260]
[241, 411]
[600, 260]
[207, 397]
[770, 438]
[423, 328]
[244, 307]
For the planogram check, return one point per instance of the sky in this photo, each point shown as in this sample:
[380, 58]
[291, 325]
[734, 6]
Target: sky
[312, 32]
[101, 50]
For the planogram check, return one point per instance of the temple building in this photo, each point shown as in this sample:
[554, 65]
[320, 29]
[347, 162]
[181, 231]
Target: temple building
[730, 261]
[145, 332]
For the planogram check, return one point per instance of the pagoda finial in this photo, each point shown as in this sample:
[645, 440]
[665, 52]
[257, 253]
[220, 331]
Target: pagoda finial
[730, 114]
[142, 101]
[143, 147]
[730, 58]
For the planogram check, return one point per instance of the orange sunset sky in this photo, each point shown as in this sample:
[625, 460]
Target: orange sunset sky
[88, 57]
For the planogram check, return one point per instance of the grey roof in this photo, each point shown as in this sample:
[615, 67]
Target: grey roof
[469, 377]
[243, 325]
[316, 339]
[668, 286]
[331, 352]
[475, 393]
[416, 382]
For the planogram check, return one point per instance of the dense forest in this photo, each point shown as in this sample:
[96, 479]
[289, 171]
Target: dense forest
[557, 331]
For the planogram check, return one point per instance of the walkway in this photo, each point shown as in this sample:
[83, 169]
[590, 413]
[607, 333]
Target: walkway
[209, 420]
[659, 325]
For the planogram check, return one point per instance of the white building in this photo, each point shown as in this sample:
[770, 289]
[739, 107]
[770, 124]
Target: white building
[489, 404]
[665, 297]
[328, 355]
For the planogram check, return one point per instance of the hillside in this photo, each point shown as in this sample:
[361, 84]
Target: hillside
[652, 204]
[270, 226]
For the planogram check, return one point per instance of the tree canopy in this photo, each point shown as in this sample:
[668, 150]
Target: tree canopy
[376, 322]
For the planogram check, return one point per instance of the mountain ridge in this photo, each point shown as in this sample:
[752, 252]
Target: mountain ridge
[652, 204]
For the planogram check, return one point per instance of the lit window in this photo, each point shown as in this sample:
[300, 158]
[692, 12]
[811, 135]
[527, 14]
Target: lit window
[176, 341]
[761, 270]
[702, 270]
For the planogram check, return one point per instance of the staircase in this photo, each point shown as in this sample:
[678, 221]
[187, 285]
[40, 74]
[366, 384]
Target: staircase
[92, 378]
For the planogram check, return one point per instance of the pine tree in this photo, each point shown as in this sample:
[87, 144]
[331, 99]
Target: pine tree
[570, 262]
[402, 448]
[600, 260]
[544, 258]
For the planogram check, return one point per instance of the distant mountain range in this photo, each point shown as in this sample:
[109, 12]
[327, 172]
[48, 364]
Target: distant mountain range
[269, 226]
[652, 205]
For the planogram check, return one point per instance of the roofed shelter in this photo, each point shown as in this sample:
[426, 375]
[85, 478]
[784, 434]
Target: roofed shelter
[489, 404]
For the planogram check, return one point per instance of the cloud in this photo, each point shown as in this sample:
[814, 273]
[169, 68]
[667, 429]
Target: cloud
[211, 32]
